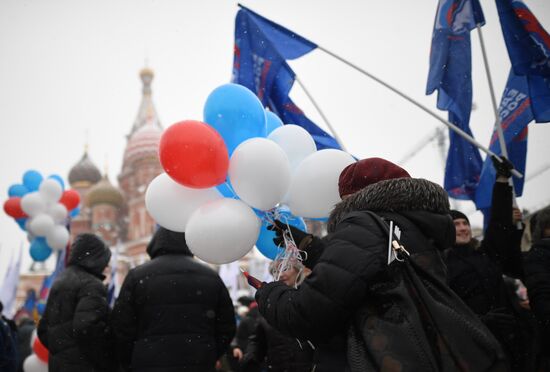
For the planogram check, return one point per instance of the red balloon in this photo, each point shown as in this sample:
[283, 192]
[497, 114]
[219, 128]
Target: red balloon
[40, 350]
[70, 199]
[12, 207]
[194, 154]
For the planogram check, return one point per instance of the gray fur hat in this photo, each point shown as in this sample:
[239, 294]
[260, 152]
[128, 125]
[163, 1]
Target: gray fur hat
[394, 195]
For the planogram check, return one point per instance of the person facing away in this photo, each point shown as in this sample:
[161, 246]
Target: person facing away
[8, 345]
[74, 327]
[351, 281]
[172, 313]
[270, 348]
[475, 271]
[537, 279]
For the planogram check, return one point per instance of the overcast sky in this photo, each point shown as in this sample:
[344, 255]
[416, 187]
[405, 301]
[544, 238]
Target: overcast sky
[71, 67]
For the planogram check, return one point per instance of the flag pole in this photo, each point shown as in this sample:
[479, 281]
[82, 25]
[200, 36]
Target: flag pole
[498, 123]
[450, 125]
[336, 136]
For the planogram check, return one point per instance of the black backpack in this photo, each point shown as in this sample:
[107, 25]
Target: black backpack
[417, 323]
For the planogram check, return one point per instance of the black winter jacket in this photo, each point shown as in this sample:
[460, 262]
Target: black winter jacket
[354, 259]
[280, 353]
[173, 313]
[537, 280]
[475, 273]
[74, 327]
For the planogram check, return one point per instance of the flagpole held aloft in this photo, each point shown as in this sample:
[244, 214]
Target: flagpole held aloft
[306, 91]
[450, 125]
[498, 123]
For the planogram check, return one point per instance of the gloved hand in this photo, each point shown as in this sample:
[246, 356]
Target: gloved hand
[504, 168]
[499, 318]
[280, 227]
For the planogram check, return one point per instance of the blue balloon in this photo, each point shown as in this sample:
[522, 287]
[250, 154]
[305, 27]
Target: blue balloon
[272, 122]
[32, 180]
[265, 243]
[226, 190]
[21, 222]
[58, 179]
[75, 212]
[236, 113]
[40, 251]
[17, 190]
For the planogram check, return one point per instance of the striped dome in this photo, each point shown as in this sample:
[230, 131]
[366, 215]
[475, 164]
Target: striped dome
[104, 192]
[144, 143]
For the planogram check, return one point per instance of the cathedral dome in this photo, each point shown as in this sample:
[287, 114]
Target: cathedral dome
[84, 172]
[104, 192]
[144, 143]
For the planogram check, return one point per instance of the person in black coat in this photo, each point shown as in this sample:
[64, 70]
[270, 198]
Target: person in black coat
[8, 345]
[351, 271]
[74, 327]
[267, 346]
[173, 313]
[24, 334]
[475, 272]
[537, 277]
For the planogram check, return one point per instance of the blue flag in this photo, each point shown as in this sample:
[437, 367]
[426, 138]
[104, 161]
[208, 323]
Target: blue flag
[451, 75]
[49, 280]
[259, 63]
[527, 93]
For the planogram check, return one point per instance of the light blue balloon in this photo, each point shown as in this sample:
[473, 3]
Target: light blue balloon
[40, 251]
[32, 180]
[75, 212]
[236, 113]
[22, 223]
[265, 243]
[18, 190]
[272, 122]
[226, 190]
[59, 179]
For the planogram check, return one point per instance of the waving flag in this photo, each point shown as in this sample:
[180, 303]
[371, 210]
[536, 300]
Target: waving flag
[259, 63]
[527, 93]
[48, 282]
[451, 75]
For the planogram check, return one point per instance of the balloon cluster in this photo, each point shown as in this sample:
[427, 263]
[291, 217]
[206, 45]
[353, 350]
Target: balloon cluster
[226, 179]
[38, 361]
[41, 207]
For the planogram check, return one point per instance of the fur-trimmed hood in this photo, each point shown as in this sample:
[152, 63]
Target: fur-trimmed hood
[395, 195]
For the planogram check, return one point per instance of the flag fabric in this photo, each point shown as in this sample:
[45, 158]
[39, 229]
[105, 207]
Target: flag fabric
[8, 291]
[527, 93]
[48, 282]
[113, 289]
[259, 63]
[451, 75]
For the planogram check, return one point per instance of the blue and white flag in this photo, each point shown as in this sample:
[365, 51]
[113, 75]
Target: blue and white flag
[261, 50]
[527, 93]
[451, 75]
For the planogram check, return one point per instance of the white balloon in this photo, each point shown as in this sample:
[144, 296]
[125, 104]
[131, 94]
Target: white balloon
[260, 173]
[50, 190]
[58, 237]
[41, 225]
[171, 204]
[58, 212]
[222, 231]
[314, 189]
[33, 204]
[34, 364]
[296, 142]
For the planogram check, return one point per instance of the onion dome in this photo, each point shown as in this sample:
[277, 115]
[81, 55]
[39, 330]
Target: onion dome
[144, 138]
[84, 173]
[143, 144]
[104, 192]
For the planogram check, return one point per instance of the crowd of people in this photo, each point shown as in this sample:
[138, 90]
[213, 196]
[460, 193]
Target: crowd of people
[398, 284]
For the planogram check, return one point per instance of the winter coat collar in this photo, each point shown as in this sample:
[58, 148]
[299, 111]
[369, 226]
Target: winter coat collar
[395, 195]
[167, 242]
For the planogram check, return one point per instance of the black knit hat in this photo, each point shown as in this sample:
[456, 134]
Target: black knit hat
[457, 214]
